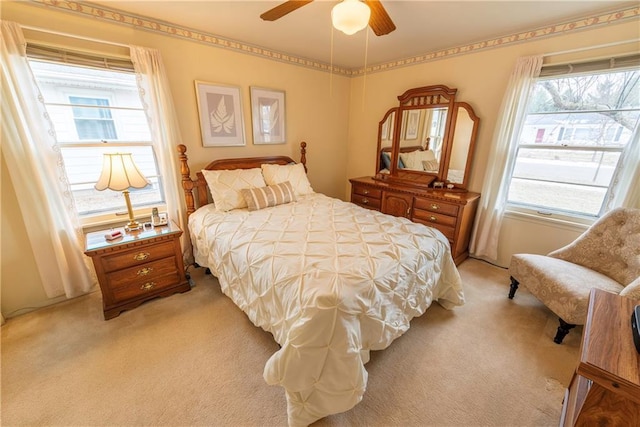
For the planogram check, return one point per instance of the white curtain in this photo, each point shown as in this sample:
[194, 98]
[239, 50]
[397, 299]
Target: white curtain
[36, 169]
[502, 156]
[625, 190]
[156, 98]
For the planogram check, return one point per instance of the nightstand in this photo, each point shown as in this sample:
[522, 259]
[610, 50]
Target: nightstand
[139, 266]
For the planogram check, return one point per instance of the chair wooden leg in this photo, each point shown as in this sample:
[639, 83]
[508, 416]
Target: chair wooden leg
[513, 287]
[562, 332]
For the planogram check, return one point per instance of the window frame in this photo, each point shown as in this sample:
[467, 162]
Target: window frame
[558, 215]
[93, 219]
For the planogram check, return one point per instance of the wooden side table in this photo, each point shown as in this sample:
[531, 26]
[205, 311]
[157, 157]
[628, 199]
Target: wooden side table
[137, 267]
[605, 389]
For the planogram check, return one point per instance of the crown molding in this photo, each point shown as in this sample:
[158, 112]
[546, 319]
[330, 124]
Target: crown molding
[172, 30]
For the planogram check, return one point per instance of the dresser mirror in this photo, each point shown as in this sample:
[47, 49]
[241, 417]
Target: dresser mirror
[428, 140]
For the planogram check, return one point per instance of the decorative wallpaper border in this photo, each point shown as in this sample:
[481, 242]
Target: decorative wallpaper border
[166, 28]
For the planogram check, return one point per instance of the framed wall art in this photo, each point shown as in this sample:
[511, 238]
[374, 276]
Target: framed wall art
[413, 121]
[220, 113]
[268, 116]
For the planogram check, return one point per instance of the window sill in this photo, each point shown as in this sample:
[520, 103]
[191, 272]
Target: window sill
[556, 220]
[112, 220]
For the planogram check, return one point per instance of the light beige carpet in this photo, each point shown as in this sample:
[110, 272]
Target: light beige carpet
[195, 359]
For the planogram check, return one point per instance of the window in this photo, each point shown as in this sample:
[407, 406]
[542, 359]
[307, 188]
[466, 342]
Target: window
[92, 123]
[96, 111]
[570, 147]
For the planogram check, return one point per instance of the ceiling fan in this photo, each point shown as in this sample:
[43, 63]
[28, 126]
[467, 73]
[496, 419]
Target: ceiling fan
[380, 22]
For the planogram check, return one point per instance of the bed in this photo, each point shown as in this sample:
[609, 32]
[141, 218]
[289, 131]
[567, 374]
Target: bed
[331, 281]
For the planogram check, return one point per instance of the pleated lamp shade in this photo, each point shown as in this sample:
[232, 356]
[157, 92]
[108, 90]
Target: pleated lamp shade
[119, 173]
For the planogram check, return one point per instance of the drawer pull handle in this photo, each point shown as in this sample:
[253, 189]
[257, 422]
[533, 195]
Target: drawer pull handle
[365, 192]
[433, 218]
[365, 201]
[144, 271]
[434, 206]
[147, 286]
[141, 256]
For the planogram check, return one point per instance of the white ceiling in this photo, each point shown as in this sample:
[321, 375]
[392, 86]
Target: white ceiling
[423, 26]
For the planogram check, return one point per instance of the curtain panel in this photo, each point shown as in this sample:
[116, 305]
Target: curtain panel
[157, 101]
[502, 157]
[36, 169]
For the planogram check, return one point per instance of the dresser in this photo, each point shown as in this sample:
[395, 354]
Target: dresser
[450, 212]
[139, 266]
[605, 388]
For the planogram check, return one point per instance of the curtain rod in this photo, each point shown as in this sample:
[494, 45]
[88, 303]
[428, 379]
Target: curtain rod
[582, 49]
[59, 33]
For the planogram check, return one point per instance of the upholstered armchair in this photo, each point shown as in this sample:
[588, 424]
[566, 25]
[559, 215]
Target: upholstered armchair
[606, 256]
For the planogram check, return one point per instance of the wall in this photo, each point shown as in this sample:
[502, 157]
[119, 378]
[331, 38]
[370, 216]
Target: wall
[314, 114]
[481, 79]
[340, 125]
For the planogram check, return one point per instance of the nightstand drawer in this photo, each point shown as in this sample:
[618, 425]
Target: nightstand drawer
[138, 256]
[146, 272]
[142, 287]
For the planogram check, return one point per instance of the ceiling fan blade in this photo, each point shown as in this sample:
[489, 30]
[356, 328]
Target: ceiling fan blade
[282, 9]
[380, 22]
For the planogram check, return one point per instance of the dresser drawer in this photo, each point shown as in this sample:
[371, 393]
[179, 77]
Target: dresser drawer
[366, 201]
[435, 206]
[434, 218]
[138, 256]
[146, 272]
[143, 287]
[372, 193]
[449, 232]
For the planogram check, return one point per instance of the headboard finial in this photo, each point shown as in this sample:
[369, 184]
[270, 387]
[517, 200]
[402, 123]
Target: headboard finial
[187, 183]
[303, 155]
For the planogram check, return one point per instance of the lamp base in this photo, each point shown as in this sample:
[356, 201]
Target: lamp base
[133, 226]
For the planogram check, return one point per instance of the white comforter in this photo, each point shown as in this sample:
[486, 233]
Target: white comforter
[331, 281]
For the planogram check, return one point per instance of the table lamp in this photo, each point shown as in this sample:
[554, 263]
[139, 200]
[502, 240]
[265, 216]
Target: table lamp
[120, 173]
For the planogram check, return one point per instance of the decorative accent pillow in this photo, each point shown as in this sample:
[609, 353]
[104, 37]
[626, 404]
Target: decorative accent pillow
[430, 165]
[413, 160]
[295, 174]
[225, 186]
[272, 195]
[386, 161]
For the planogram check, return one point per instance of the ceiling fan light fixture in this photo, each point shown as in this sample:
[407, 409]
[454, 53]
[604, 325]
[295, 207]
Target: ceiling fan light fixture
[350, 16]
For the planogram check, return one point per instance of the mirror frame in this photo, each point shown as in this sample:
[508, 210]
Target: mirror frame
[436, 96]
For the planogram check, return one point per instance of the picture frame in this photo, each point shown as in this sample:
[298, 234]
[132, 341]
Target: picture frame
[220, 114]
[268, 115]
[412, 125]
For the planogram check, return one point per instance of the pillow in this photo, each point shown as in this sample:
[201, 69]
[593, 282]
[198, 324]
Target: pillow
[225, 186]
[295, 174]
[430, 165]
[272, 195]
[386, 161]
[413, 160]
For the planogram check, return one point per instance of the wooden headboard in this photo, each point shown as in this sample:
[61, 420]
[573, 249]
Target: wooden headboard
[200, 184]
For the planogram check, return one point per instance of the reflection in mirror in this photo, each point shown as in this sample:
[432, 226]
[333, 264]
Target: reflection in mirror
[421, 139]
[461, 145]
[386, 141]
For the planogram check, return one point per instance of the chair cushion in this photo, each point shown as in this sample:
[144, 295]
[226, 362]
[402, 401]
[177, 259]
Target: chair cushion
[560, 285]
